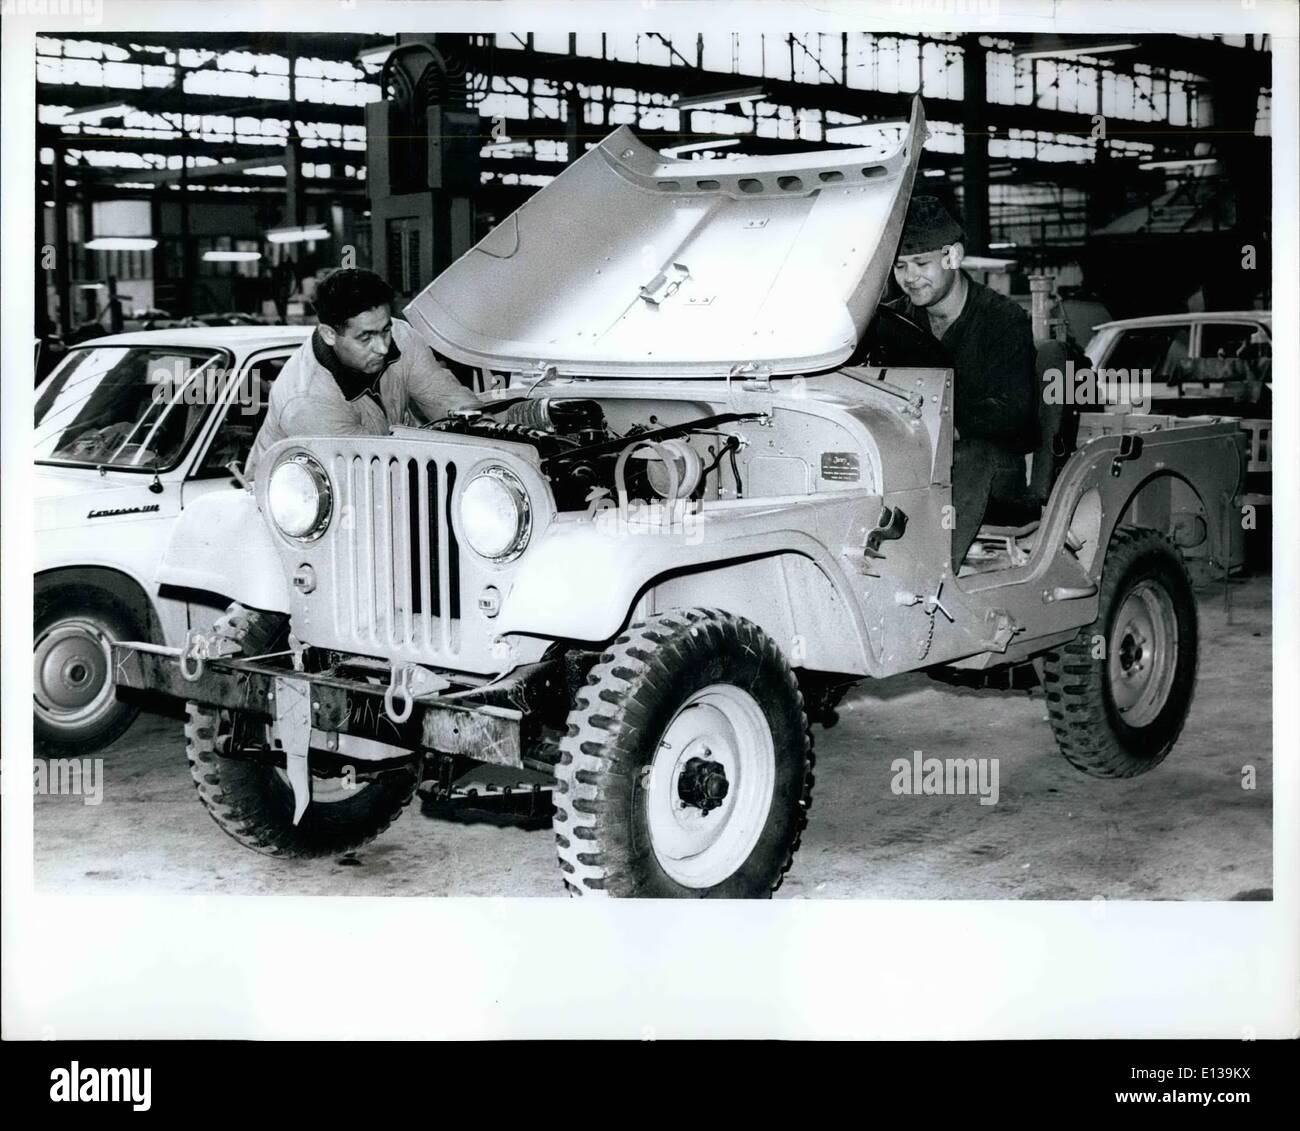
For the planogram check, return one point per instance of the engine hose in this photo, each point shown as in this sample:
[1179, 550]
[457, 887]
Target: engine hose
[534, 414]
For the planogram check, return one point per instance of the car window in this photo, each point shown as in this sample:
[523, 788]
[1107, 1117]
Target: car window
[1244, 340]
[129, 407]
[1157, 348]
[244, 416]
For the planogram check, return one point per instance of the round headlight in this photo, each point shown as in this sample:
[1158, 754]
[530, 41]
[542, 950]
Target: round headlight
[298, 497]
[494, 514]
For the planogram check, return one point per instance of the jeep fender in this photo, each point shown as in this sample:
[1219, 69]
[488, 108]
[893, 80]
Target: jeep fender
[221, 544]
[581, 582]
[1178, 466]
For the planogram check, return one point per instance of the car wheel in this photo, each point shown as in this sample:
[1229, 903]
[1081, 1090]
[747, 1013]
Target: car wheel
[74, 701]
[1119, 692]
[231, 758]
[243, 785]
[687, 767]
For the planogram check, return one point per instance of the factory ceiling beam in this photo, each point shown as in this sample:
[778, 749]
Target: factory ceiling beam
[218, 194]
[668, 81]
[875, 105]
[516, 128]
[1078, 175]
[203, 172]
[1022, 169]
[1203, 57]
[1198, 56]
[171, 100]
[335, 47]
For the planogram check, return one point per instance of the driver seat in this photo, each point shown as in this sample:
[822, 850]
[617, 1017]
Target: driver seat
[1008, 522]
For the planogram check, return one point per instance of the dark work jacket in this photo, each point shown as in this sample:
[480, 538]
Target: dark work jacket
[995, 390]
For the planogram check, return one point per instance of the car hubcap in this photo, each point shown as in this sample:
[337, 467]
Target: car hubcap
[71, 662]
[1143, 654]
[710, 786]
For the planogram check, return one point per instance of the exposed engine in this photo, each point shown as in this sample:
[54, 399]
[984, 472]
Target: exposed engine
[580, 453]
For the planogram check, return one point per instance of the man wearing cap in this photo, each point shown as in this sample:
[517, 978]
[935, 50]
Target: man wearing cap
[991, 346]
[360, 372]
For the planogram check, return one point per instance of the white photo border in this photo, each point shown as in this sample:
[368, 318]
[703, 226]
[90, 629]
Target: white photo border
[171, 966]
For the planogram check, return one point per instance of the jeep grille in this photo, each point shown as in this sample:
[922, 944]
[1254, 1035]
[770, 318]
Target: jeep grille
[396, 560]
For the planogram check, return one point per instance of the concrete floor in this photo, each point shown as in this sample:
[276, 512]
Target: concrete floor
[1187, 830]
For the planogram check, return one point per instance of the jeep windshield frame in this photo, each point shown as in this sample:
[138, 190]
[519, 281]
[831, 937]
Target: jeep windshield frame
[138, 408]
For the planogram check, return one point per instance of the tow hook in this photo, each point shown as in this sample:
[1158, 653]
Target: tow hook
[399, 686]
[192, 655]
[406, 682]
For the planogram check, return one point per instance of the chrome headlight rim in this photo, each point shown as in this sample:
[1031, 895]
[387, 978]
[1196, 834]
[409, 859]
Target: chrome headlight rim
[325, 496]
[523, 505]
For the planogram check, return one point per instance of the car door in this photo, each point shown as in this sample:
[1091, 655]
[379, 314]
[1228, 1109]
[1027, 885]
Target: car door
[241, 417]
[229, 441]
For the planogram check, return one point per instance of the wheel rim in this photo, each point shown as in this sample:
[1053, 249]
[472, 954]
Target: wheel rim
[71, 660]
[1142, 654]
[710, 786]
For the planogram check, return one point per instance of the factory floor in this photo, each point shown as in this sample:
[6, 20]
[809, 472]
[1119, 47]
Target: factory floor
[1187, 830]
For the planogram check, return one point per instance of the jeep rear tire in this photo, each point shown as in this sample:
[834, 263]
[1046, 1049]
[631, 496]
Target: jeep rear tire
[249, 796]
[75, 706]
[687, 769]
[1119, 692]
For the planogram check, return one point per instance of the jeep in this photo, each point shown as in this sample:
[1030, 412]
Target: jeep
[706, 491]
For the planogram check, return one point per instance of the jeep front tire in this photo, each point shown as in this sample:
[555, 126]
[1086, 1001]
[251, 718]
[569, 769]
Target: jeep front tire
[687, 769]
[234, 766]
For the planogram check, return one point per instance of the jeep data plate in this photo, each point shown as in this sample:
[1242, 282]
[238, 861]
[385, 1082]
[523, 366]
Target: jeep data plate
[842, 466]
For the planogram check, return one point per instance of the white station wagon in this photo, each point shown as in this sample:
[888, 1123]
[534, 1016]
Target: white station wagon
[1193, 358]
[129, 430]
[1206, 363]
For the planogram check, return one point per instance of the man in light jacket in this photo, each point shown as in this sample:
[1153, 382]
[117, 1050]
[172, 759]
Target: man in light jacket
[360, 373]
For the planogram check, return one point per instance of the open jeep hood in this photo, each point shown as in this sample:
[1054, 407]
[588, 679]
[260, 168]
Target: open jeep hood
[628, 264]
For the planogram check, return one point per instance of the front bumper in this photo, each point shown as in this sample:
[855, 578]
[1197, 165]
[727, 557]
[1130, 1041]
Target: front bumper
[347, 715]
